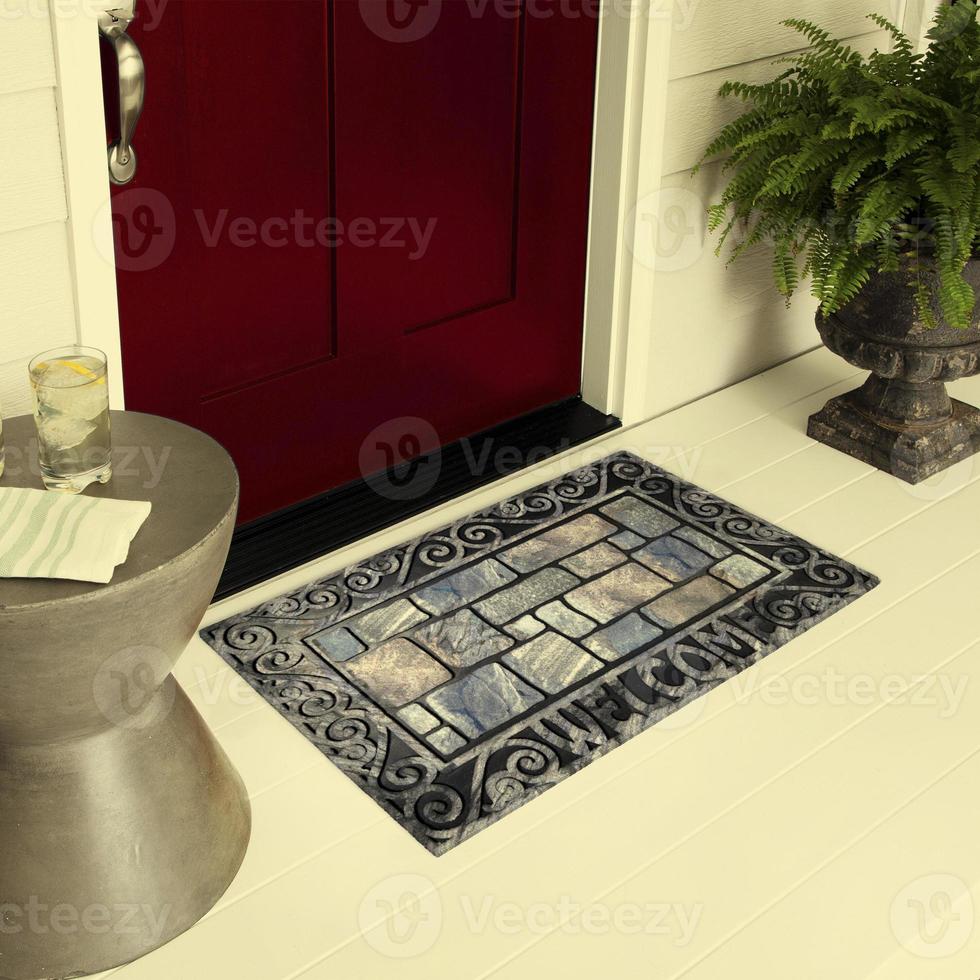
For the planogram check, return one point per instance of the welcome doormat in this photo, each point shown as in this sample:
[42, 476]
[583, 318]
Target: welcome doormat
[460, 675]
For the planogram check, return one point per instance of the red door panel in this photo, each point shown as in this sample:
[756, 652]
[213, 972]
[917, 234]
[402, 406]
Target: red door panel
[331, 228]
[254, 106]
[428, 134]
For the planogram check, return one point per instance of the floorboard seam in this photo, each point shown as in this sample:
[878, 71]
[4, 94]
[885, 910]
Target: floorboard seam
[739, 803]
[846, 848]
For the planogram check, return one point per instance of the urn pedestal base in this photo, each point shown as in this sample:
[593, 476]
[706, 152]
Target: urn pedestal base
[912, 431]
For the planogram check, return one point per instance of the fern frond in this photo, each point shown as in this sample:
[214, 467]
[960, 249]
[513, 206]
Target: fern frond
[953, 22]
[903, 45]
[965, 151]
[903, 144]
[851, 172]
[785, 270]
[849, 165]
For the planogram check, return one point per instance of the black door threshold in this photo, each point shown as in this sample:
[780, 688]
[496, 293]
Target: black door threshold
[289, 537]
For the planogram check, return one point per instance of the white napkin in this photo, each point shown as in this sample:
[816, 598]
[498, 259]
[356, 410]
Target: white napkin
[60, 535]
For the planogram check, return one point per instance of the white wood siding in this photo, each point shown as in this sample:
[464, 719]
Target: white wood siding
[32, 187]
[36, 305]
[716, 325]
[26, 57]
[695, 112]
[719, 33]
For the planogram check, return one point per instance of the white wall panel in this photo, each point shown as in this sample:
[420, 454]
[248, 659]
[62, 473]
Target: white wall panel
[32, 189]
[36, 308]
[695, 112]
[715, 325]
[36, 290]
[15, 391]
[26, 59]
[710, 34]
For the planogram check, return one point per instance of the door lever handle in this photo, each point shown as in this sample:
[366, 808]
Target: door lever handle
[132, 88]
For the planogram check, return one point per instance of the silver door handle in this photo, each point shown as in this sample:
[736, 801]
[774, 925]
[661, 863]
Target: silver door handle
[132, 88]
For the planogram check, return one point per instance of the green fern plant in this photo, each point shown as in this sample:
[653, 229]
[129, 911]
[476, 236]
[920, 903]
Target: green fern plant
[852, 165]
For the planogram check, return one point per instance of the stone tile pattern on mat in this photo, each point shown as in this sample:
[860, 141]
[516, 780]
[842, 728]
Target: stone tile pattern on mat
[482, 700]
[607, 600]
[468, 653]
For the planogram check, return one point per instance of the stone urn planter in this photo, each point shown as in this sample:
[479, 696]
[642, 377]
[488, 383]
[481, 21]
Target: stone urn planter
[901, 419]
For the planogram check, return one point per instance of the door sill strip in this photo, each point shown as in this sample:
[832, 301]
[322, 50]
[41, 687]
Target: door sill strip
[290, 537]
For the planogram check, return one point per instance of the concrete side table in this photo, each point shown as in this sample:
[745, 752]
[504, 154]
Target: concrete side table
[121, 820]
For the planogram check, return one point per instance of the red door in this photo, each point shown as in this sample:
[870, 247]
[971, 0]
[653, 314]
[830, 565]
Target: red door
[353, 211]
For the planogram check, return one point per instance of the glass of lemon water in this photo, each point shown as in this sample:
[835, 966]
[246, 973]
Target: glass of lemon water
[71, 413]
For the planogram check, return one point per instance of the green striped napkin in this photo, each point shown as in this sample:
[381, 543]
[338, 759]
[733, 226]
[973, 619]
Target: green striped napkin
[61, 535]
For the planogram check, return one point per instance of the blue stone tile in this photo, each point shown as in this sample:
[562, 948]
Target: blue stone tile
[461, 640]
[529, 592]
[638, 516]
[622, 637]
[462, 587]
[396, 672]
[385, 621]
[482, 700]
[673, 558]
[551, 662]
[525, 627]
[445, 740]
[702, 541]
[335, 643]
[624, 588]
[740, 571]
[560, 617]
[561, 540]
[627, 540]
[595, 560]
[418, 719]
[687, 602]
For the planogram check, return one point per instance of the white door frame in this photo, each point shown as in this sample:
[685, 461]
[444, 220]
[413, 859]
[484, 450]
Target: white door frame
[630, 118]
[74, 29]
[917, 19]
[630, 110]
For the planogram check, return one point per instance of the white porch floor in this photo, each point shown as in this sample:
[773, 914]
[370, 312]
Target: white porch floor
[792, 823]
